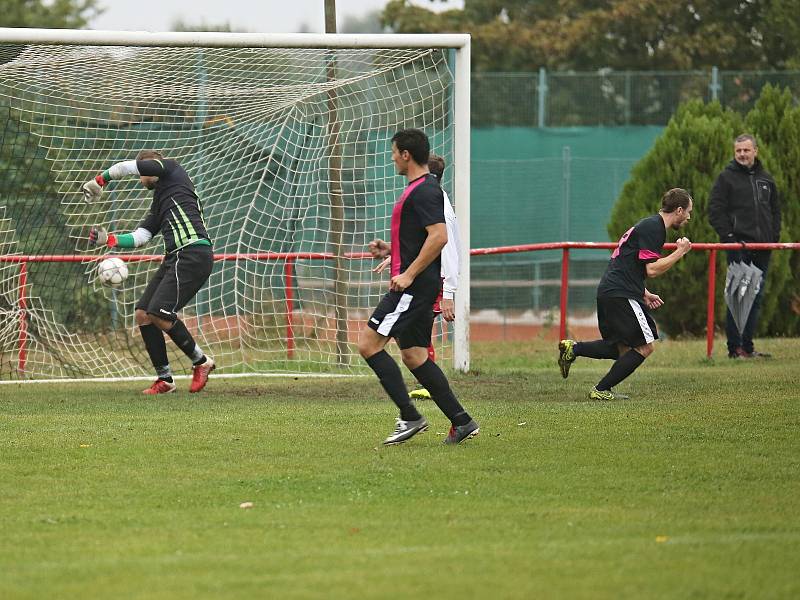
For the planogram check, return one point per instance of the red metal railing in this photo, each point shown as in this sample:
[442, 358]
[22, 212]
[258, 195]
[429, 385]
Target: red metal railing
[712, 270]
[289, 259]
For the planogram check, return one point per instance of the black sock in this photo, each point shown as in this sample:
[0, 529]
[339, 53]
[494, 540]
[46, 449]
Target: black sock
[392, 381]
[184, 340]
[596, 349]
[622, 367]
[156, 348]
[432, 379]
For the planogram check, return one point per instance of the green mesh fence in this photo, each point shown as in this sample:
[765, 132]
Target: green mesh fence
[611, 98]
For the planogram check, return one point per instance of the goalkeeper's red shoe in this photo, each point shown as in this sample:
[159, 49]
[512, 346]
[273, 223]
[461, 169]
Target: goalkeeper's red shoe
[200, 375]
[160, 387]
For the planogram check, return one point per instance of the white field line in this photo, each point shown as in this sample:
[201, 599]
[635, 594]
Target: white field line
[145, 378]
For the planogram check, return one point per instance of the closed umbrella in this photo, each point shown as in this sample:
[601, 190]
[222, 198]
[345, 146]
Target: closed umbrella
[742, 284]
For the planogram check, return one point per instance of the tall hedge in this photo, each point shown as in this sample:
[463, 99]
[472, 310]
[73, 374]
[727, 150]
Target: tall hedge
[692, 150]
[775, 120]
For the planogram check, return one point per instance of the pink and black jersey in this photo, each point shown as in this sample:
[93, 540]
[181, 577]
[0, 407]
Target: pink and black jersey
[420, 205]
[627, 270]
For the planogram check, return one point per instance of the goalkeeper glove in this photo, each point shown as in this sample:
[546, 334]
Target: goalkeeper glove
[92, 190]
[98, 236]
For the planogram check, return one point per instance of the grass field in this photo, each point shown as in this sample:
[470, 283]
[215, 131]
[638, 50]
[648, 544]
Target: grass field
[689, 490]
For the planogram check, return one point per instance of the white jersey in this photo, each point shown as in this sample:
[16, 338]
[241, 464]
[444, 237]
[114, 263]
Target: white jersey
[450, 266]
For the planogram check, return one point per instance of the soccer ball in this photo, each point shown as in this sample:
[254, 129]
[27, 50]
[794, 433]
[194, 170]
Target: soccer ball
[112, 271]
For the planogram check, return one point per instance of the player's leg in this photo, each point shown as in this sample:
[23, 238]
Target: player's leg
[761, 260]
[387, 318]
[422, 393]
[153, 338]
[569, 350]
[635, 328]
[187, 272]
[734, 338]
[413, 342]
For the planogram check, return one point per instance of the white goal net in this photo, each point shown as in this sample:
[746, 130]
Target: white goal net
[288, 147]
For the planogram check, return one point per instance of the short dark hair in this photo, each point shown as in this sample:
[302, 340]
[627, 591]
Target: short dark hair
[416, 142]
[145, 154]
[745, 137]
[674, 199]
[436, 165]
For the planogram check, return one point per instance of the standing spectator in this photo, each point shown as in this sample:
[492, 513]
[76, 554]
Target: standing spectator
[744, 207]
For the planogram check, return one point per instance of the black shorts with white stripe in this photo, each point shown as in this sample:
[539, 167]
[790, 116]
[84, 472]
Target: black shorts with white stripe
[179, 277]
[406, 316]
[625, 321]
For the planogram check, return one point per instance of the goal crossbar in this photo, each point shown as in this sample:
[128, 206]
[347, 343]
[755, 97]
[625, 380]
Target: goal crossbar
[67, 37]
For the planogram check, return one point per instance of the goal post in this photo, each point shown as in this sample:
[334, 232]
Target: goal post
[292, 164]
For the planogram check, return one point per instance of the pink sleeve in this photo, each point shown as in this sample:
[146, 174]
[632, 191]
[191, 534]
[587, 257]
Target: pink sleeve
[648, 255]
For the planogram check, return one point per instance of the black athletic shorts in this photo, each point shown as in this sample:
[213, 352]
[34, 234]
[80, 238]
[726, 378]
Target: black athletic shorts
[625, 321]
[181, 275]
[406, 316]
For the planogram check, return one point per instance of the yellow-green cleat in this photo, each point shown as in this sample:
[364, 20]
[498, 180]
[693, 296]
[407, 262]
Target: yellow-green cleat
[596, 394]
[566, 356]
[420, 394]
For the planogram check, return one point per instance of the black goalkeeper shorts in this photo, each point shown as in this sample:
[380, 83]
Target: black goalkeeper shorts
[625, 321]
[181, 275]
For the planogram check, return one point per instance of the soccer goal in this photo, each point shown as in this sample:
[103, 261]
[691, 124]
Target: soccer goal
[287, 139]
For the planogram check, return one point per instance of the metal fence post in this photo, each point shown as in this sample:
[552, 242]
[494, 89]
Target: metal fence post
[566, 170]
[712, 292]
[627, 97]
[542, 95]
[22, 304]
[564, 297]
[715, 85]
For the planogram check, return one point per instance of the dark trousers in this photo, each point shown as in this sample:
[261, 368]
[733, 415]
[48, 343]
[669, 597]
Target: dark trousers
[759, 258]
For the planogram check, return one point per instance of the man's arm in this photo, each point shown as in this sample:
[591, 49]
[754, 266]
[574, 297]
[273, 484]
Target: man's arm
[436, 240]
[450, 262]
[98, 236]
[718, 215]
[651, 300]
[379, 249]
[776, 214]
[662, 265]
[93, 189]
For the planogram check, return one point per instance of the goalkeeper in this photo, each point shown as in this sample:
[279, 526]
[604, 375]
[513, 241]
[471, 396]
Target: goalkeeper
[177, 215]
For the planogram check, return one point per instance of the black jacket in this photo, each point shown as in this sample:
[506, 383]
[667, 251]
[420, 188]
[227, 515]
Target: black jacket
[744, 205]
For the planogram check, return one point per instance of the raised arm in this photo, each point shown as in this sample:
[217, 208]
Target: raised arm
[662, 265]
[93, 189]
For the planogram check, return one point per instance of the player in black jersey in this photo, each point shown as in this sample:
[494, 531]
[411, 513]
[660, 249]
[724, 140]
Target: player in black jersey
[418, 234]
[177, 215]
[623, 301]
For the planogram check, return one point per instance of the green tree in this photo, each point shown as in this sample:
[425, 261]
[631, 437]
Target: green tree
[775, 121]
[519, 35]
[58, 14]
[690, 153]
